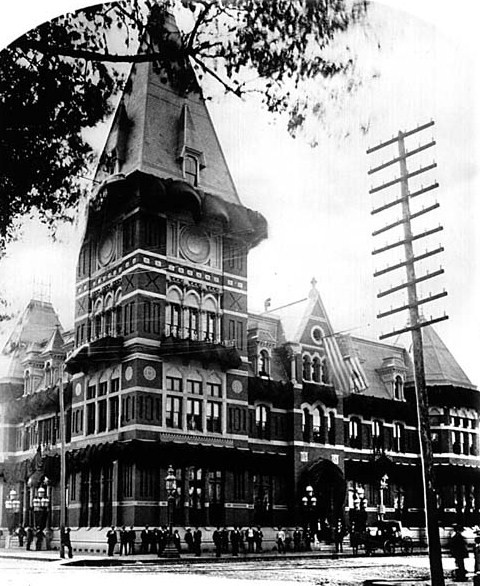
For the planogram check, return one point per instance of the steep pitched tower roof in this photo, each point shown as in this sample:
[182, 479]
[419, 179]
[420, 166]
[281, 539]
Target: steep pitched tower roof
[441, 368]
[155, 129]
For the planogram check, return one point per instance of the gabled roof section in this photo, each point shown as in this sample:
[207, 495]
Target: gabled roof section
[33, 330]
[441, 368]
[154, 127]
[55, 344]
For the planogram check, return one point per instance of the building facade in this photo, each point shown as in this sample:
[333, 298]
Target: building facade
[165, 366]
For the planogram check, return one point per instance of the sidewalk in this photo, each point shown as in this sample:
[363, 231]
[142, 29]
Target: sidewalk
[102, 560]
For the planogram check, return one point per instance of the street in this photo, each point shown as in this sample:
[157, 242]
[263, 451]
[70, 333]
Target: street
[321, 571]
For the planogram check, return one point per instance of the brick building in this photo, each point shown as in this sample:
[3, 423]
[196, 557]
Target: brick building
[165, 365]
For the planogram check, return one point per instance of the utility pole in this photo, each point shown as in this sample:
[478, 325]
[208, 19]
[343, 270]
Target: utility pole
[62, 451]
[412, 306]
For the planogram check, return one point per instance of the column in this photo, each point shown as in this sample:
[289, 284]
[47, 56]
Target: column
[115, 469]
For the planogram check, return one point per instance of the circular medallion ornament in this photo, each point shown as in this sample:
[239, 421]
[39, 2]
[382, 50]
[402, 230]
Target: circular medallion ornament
[128, 373]
[106, 249]
[237, 386]
[78, 389]
[195, 244]
[317, 335]
[149, 373]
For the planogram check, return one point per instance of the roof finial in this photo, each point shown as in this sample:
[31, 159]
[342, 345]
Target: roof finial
[267, 304]
[314, 283]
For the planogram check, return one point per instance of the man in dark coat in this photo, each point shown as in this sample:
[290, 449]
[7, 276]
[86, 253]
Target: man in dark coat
[225, 538]
[111, 540]
[258, 539]
[235, 538]
[39, 535]
[21, 535]
[188, 537]
[459, 550]
[29, 536]
[217, 541]
[197, 541]
[123, 541]
[297, 540]
[65, 542]
[131, 540]
[145, 539]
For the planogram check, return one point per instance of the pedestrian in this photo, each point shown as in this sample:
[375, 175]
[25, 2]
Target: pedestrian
[307, 539]
[241, 540]
[29, 536]
[111, 540]
[197, 541]
[21, 535]
[281, 540]
[235, 537]
[297, 540]
[225, 538]
[338, 535]
[48, 538]
[177, 540]
[258, 539]
[65, 542]
[145, 539]
[39, 535]
[459, 551]
[123, 541]
[250, 537]
[217, 541]
[160, 537]
[153, 540]
[131, 540]
[188, 537]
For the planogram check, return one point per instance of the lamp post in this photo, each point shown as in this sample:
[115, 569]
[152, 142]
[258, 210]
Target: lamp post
[12, 506]
[383, 488]
[309, 501]
[170, 550]
[41, 503]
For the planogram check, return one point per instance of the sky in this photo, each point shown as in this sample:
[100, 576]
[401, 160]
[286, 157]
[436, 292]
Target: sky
[317, 200]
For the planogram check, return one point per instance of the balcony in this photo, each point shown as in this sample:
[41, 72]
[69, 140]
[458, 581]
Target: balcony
[203, 346]
[107, 349]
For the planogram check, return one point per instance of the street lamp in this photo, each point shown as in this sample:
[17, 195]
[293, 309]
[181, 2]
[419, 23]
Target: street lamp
[383, 488]
[170, 550]
[309, 501]
[41, 503]
[12, 506]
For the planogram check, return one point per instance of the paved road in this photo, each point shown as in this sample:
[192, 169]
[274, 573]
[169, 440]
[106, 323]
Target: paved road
[315, 572]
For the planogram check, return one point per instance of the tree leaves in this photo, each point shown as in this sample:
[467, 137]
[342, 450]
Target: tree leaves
[60, 78]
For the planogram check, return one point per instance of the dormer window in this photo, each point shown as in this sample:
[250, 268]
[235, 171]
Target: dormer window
[264, 363]
[398, 388]
[190, 169]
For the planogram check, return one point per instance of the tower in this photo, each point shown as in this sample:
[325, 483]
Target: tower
[161, 316]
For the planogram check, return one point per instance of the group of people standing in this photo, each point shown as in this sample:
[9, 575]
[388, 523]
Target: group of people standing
[237, 540]
[34, 537]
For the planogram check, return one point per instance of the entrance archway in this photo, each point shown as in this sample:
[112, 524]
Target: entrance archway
[329, 488]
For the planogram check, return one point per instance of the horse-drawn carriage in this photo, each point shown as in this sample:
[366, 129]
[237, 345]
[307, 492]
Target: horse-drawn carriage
[387, 536]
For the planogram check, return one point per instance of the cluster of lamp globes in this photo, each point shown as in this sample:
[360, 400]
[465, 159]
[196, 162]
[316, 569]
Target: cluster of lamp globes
[12, 504]
[309, 498]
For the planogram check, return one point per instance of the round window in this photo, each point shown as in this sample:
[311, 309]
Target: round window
[317, 334]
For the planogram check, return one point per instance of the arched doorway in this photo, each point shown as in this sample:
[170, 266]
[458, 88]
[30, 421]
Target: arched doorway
[325, 482]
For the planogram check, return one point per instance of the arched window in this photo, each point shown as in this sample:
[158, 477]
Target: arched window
[190, 170]
[398, 388]
[399, 437]
[317, 370]
[264, 364]
[307, 368]
[306, 425]
[48, 375]
[117, 327]
[97, 320]
[109, 315]
[331, 428]
[377, 435]
[192, 317]
[210, 309]
[325, 378]
[262, 421]
[173, 313]
[318, 426]
[355, 432]
[26, 386]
